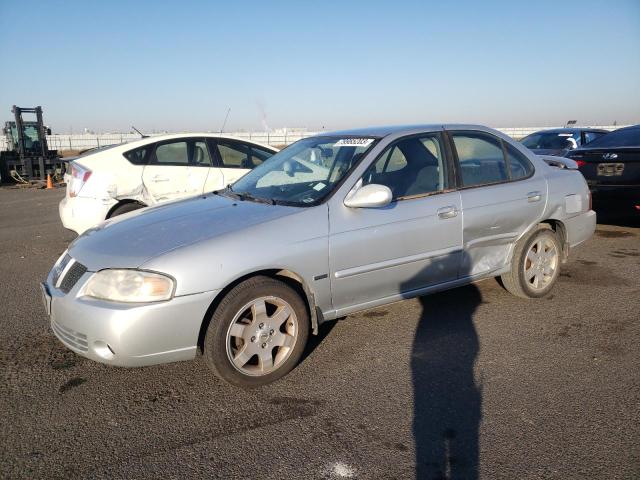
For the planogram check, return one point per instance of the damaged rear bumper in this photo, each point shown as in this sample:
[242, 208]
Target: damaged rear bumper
[81, 213]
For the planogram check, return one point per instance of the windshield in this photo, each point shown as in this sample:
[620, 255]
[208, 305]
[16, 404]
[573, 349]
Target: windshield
[625, 137]
[550, 140]
[29, 134]
[303, 173]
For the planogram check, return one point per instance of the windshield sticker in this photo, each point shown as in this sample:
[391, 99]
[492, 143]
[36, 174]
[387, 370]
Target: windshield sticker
[354, 142]
[319, 186]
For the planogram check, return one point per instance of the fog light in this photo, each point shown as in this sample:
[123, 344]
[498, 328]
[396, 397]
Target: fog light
[103, 350]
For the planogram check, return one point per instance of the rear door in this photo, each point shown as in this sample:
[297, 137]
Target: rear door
[501, 194]
[177, 168]
[165, 176]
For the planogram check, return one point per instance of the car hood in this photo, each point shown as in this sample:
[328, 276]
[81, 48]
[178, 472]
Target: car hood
[132, 239]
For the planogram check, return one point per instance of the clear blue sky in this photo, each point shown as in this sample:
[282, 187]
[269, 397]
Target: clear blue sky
[106, 65]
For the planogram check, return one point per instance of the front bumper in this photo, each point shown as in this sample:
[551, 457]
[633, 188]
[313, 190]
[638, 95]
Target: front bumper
[128, 335]
[81, 213]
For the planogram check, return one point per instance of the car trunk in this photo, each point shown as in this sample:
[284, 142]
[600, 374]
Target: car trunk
[611, 166]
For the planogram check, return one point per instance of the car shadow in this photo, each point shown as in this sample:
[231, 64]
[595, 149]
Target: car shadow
[620, 214]
[446, 399]
[314, 340]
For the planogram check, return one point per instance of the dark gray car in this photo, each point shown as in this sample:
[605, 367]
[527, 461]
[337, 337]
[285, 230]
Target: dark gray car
[560, 141]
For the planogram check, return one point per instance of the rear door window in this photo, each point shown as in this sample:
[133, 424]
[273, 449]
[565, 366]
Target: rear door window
[480, 157]
[172, 153]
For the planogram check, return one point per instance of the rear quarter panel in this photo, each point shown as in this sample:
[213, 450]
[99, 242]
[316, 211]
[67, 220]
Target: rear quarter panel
[568, 201]
[113, 178]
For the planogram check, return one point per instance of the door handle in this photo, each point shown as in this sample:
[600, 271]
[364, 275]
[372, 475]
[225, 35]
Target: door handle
[160, 178]
[447, 212]
[534, 197]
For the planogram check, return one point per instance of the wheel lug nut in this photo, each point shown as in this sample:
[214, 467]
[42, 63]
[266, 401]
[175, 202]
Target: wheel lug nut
[264, 345]
[270, 332]
[253, 339]
[261, 325]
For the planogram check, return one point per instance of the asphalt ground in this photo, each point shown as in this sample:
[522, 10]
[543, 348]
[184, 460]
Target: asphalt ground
[462, 384]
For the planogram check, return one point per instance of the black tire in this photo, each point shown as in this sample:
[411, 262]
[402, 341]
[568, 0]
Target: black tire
[125, 208]
[514, 281]
[215, 343]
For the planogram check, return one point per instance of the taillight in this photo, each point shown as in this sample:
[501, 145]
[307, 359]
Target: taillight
[581, 163]
[79, 176]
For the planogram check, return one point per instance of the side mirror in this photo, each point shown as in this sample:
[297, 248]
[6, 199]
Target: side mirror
[369, 196]
[48, 131]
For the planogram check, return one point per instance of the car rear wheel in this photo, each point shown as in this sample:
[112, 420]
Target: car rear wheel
[536, 264]
[125, 208]
[258, 332]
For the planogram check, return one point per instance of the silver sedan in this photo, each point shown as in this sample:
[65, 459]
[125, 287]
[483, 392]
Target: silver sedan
[331, 225]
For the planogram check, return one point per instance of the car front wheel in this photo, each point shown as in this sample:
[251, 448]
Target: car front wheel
[258, 332]
[536, 264]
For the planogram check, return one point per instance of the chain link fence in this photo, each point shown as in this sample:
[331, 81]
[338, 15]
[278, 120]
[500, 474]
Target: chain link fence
[85, 141]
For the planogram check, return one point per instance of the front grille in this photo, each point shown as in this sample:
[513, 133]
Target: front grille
[73, 275]
[59, 268]
[70, 337]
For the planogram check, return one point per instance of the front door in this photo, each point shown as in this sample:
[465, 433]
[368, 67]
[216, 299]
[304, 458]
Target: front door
[413, 243]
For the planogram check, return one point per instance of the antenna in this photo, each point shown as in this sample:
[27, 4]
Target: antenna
[225, 120]
[139, 132]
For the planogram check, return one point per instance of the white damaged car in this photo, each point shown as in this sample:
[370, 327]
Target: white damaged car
[122, 178]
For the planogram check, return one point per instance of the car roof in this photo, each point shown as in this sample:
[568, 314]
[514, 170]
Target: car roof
[630, 127]
[569, 130]
[172, 136]
[386, 130]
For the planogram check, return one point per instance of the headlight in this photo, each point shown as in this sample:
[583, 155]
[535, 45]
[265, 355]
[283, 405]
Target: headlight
[129, 286]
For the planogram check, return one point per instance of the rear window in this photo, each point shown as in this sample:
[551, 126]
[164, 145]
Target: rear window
[625, 137]
[138, 156]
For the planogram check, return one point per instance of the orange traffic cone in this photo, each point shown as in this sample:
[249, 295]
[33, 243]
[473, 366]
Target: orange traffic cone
[49, 182]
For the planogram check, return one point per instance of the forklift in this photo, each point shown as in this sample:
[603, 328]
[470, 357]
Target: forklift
[28, 157]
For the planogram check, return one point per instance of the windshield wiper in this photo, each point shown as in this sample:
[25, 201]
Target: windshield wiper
[242, 196]
[248, 196]
[228, 190]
